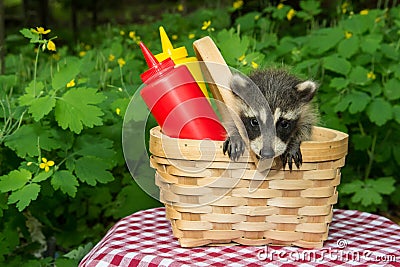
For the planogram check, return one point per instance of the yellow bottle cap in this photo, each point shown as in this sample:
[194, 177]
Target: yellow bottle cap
[168, 50]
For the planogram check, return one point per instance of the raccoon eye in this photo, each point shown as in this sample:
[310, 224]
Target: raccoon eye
[284, 124]
[254, 122]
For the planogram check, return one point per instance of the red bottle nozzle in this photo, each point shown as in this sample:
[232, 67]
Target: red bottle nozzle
[155, 67]
[148, 56]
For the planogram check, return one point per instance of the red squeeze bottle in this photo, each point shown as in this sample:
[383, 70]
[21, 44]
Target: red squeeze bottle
[177, 102]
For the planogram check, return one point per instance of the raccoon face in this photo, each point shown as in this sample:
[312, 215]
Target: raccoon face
[272, 106]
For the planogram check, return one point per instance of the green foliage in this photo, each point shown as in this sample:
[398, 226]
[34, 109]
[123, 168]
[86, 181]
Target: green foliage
[63, 178]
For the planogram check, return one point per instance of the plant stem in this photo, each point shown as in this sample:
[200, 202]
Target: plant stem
[122, 81]
[35, 70]
[371, 154]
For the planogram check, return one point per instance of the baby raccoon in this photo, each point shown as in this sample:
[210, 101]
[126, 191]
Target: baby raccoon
[279, 129]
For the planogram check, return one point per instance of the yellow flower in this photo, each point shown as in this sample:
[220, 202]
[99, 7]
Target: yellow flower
[40, 30]
[121, 32]
[242, 57]
[237, 4]
[132, 34]
[290, 14]
[174, 37]
[180, 7]
[348, 35]
[51, 45]
[191, 35]
[344, 7]
[371, 75]
[118, 111]
[46, 164]
[206, 24]
[280, 6]
[254, 65]
[71, 83]
[82, 53]
[121, 62]
[111, 57]
[364, 12]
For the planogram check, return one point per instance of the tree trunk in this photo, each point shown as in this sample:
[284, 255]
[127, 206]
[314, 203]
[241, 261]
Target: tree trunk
[2, 39]
[74, 20]
[43, 10]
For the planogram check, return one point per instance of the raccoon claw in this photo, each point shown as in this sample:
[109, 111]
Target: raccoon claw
[234, 146]
[290, 157]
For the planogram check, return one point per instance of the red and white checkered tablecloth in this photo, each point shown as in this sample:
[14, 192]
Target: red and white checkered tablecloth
[145, 239]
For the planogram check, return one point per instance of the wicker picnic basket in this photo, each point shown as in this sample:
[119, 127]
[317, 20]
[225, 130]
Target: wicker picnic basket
[208, 201]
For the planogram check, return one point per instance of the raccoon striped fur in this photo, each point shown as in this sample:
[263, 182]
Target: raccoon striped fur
[277, 124]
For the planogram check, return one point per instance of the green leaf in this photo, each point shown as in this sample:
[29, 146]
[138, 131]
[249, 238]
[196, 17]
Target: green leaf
[76, 108]
[396, 113]
[359, 102]
[27, 33]
[349, 47]
[122, 104]
[356, 24]
[80, 252]
[356, 101]
[392, 89]
[361, 142]
[65, 181]
[42, 176]
[343, 104]
[337, 64]
[88, 145]
[25, 140]
[41, 107]
[390, 51]
[14, 180]
[352, 187]
[92, 170]
[383, 185]
[311, 6]
[247, 21]
[24, 196]
[367, 196]
[66, 73]
[359, 75]
[232, 46]
[374, 89]
[371, 43]
[31, 93]
[339, 83]
[379, 111]
[324, 39]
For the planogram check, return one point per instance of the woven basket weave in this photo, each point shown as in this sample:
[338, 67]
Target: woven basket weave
[208, 201]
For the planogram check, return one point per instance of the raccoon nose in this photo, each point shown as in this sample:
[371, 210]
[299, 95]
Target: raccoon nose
[267, 153]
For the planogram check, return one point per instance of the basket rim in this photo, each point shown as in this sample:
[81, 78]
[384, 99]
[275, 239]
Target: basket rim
[328, 145]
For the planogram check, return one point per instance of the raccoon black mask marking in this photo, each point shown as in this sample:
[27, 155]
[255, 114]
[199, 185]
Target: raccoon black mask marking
[290, 113]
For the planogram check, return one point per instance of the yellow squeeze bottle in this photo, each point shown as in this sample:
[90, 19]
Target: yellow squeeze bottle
[180, 56]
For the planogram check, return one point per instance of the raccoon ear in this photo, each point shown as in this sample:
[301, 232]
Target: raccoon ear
[239, 84]
[306, 90]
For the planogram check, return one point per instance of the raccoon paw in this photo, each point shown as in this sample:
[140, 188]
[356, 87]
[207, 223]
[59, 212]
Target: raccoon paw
[234, 145]
[290, 156]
